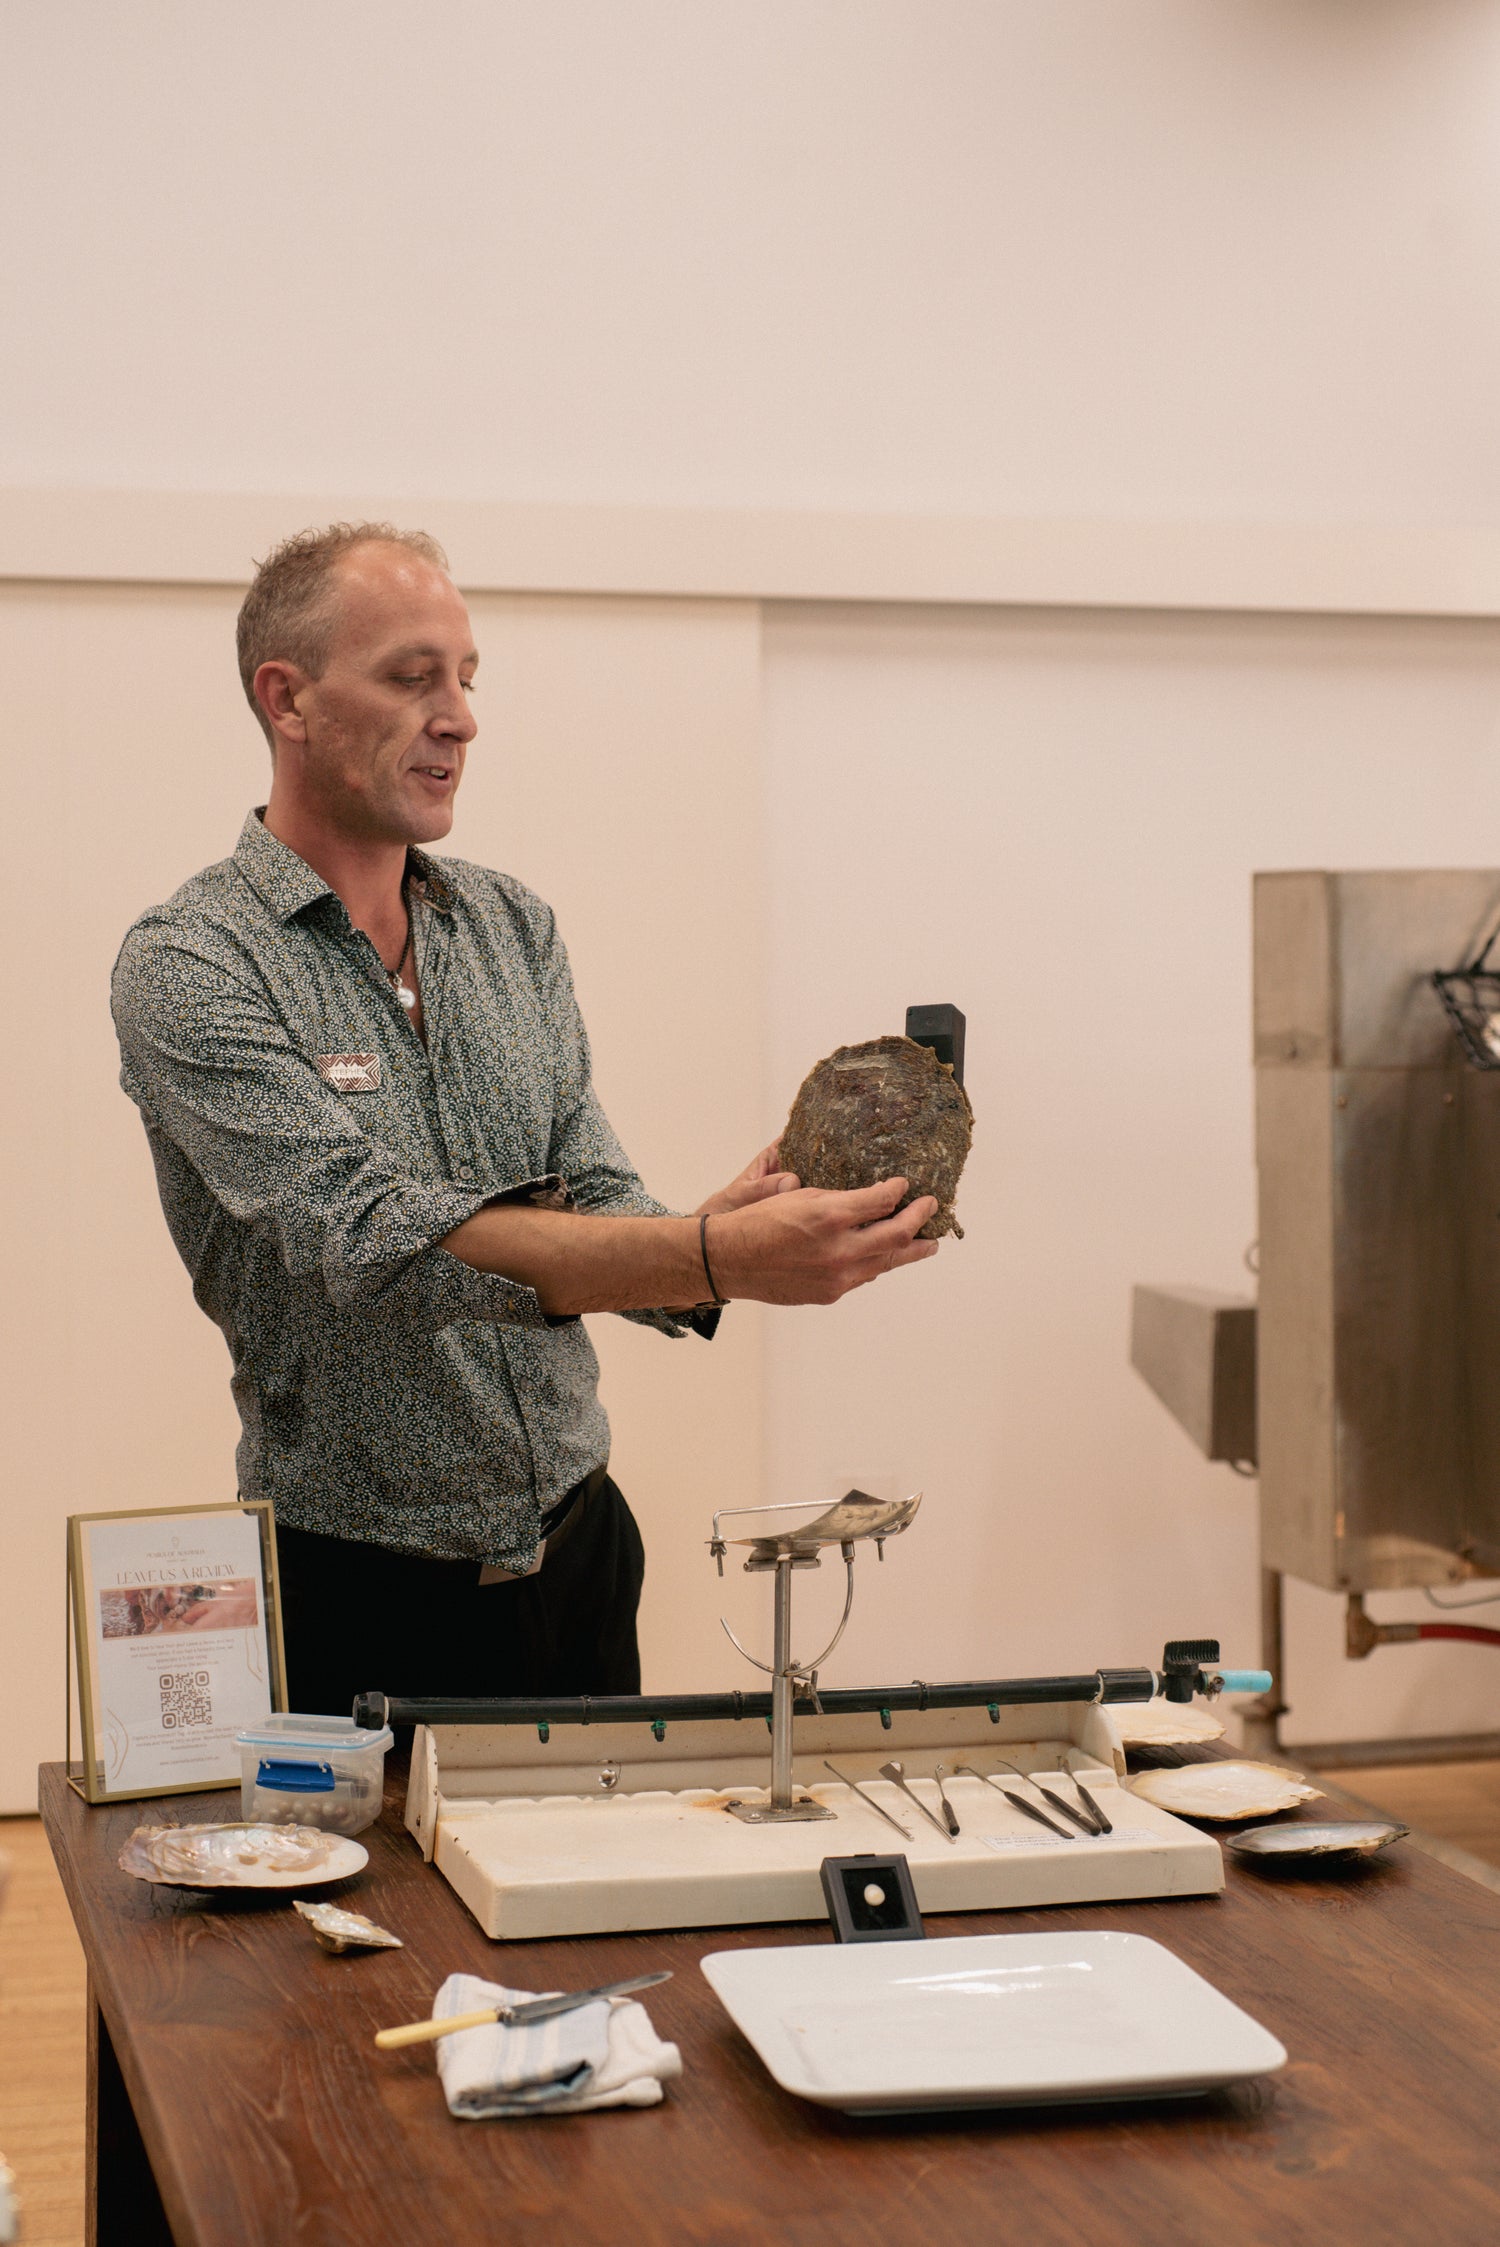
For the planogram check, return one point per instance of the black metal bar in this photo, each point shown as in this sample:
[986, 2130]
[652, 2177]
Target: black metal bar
[375, 1709]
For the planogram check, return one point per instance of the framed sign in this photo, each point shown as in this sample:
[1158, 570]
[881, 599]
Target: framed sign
[176, 1625]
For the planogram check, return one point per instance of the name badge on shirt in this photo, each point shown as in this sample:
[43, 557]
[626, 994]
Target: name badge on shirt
[349, 1072]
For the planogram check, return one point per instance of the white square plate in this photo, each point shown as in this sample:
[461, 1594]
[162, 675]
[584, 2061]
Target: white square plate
[987, 2020]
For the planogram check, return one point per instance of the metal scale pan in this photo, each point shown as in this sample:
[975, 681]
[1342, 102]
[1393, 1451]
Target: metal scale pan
[855, 1519]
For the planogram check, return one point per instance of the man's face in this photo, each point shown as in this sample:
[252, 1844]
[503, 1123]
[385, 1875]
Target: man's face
[389, 722]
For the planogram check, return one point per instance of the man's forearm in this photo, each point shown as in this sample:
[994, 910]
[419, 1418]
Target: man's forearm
[576, 1262]
[799, 1246]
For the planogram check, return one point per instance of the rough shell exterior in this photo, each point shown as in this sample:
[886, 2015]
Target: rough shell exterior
[888, 1109]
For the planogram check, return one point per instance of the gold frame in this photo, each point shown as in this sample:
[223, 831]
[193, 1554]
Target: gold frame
[87, 1780]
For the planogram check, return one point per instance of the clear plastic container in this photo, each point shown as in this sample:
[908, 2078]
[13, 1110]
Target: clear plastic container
[323, 1771]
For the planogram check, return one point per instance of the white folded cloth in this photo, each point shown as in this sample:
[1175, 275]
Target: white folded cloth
[605, 2054]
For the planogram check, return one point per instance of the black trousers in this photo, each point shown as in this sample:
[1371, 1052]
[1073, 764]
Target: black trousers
[360, 1618]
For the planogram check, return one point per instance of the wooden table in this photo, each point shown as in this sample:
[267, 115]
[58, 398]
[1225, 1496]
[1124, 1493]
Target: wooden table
[234, 2077]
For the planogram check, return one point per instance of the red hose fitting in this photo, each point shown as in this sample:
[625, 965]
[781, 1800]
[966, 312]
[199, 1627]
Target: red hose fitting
[1474, 1633]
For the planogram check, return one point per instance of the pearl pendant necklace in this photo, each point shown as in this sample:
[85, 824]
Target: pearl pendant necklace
[392, 975]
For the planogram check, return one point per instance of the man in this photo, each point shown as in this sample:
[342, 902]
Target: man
[366, 1087]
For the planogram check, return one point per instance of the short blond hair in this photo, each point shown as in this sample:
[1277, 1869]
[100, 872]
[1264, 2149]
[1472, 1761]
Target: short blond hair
[291, 611]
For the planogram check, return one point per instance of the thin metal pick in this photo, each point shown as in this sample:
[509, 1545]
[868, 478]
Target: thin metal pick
[1106, 1825]
[1030, 1810]
[1019, 1802]
[948, 1810]
[878, 1809]
[896, 1773]
[1084, 1824]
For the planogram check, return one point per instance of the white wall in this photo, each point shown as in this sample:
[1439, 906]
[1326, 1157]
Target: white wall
[1145, 257]
[1053, 820]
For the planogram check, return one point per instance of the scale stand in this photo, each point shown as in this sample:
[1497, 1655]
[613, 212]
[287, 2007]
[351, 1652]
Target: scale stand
[854, 1519]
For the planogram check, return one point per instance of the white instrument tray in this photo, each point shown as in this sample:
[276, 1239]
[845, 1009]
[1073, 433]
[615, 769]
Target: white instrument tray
[988, 2020]
[525, 1833]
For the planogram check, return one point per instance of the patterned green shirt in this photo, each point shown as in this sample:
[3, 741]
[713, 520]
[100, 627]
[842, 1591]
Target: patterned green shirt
[311, 1153]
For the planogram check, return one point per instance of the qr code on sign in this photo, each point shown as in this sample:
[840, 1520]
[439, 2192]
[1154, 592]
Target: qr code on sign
[184, 1698]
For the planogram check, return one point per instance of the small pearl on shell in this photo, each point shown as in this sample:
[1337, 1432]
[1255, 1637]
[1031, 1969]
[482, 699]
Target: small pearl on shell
[408, 998]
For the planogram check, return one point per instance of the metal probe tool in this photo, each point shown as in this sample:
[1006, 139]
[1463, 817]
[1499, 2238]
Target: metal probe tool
[896, 1773]
[948, 1810]
[1106, 1825]
[1019, 1802]
[1086, 1822]
[904, 1831]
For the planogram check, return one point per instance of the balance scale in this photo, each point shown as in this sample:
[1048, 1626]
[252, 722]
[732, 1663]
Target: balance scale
[603, 1816]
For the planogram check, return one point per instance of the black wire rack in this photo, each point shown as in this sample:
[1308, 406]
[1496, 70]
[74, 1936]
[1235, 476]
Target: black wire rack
[1472, 997]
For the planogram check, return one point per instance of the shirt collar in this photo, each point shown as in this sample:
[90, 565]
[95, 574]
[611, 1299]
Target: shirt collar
[287, 884]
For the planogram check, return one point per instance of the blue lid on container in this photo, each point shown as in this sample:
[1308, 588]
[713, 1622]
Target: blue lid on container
[284, 1777]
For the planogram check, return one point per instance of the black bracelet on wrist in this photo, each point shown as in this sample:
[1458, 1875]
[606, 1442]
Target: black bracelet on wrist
[707, 1267]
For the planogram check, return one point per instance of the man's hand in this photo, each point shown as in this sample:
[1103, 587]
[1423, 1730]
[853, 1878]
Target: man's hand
[761, 1177]
[803, 1245]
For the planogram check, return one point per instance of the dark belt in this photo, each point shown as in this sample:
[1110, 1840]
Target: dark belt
[560, 1520]
[556, 1525]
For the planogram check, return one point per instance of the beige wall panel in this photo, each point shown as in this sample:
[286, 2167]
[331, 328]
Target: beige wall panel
[129, 760]
[109, 533]
[926, 256]
[618, 733]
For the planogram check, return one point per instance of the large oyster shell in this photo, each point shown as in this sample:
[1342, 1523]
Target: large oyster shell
[1224, 1791]
[1163, 1724]
[1343, 1843]
[240, 1856]
[886, 1109]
